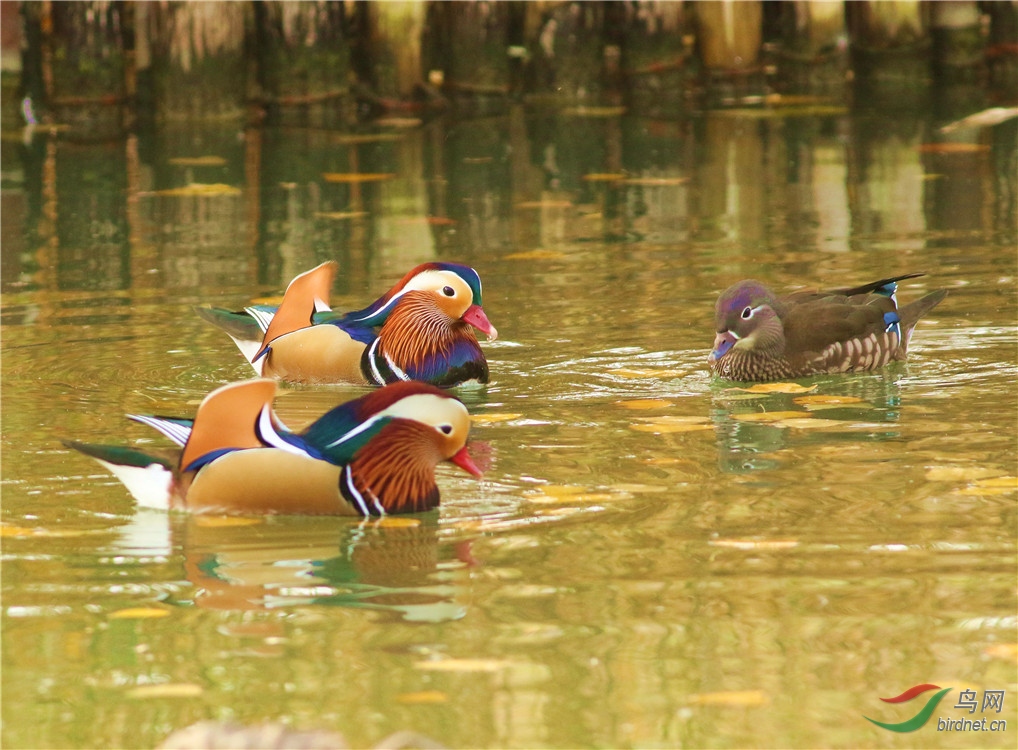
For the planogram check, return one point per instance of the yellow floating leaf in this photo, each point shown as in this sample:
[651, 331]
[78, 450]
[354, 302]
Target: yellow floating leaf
[957, 473]
[594, 111]
[463, 665]
[827, 400]
[634, 373]
[1011, 482]
[777, 388]
[538, 254]
[754, 544]
[806, 422]
[356, 176]
[199, 189]
[20, 531]
[1002, 651]
[985, 491]
[663, 428]
[993, 486]
[340, 215]
[353, 139]
[730, 698]
[770, 416]
[216, 522]
[991, 116]
[423, 696]
[656, 181]
[16, 531]
[581, 497]
[545, 204]
[644, 403]
[139, 613]
[494, 417]
[557, 490]
[168, 690]
[198, 161]
[604, 177]
[952, 148]
[393, 522]
[398, 122]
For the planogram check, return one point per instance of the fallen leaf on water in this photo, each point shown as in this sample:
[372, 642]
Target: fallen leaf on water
[594, 111]
[391, 522]
[991, 116]
[558, 490]
[536, 255]
[822, 401]
[807, 422]
[770, 416]
[1002, 651]
[423, 696]
[16, 531]
[200, 189]
[666, 428]
[356, 176]
[730, 698]
[139, 613]
[952, 148]
[644, 403]
[581, 497]
[777, 388]
[994, 486]
[754, 544]
[494, 417]
[20, 531]
[338, 215]
[463, 665]
[216, 522]
[366, 138]
[545, 204]
[656, 181]
[626, 372]
[957, 473]
[398, 122]
[198, 161]
[1011, 482]
[169, 690]
[604, 177]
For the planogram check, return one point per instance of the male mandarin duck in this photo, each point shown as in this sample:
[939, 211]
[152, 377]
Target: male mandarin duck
[421, 329]
[763, 337]
[371, 456]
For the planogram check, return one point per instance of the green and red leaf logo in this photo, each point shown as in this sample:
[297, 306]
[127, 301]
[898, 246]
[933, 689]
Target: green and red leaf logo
[924, 713]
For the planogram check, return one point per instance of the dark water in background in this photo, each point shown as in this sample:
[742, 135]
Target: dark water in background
[652, 559]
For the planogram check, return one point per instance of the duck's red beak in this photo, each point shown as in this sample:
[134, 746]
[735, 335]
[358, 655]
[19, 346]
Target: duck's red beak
[465, 462]
[475, 316]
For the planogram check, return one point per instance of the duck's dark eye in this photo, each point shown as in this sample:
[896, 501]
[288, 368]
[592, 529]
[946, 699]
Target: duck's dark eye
[448, 291]
[747, 313]
[446, 428]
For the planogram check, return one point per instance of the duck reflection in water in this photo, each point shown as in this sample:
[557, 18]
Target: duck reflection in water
[755, 424]
[397, 566]
[394, 566]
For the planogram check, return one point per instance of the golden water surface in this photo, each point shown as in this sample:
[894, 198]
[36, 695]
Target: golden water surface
[654, 558]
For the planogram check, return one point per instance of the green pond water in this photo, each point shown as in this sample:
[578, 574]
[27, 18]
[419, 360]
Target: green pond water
[654, 558]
